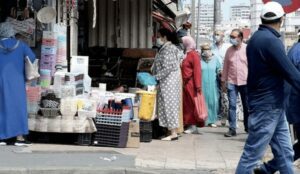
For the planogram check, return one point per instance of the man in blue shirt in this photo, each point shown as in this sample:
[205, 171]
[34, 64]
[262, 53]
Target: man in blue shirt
[293, 98]
[268, 67]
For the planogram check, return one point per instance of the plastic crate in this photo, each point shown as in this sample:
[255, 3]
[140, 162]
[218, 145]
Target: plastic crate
[50, 112]
[84, 139]
[145, 136]
[111, 136]
[112, 118]
[33, 108]
[145, 126]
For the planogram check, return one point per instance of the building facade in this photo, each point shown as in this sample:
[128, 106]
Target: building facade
[292, 21]
[240, 12]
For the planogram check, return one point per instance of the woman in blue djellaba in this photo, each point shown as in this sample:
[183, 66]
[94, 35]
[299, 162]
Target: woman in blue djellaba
[13, 110]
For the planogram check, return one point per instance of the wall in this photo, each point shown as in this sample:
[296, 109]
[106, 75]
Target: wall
[121, 24]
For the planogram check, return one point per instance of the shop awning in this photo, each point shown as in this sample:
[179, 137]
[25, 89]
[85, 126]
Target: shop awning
[164, 21]
[174, 10]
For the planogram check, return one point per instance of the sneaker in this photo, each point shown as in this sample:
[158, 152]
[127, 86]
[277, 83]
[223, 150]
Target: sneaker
[2, 143]
[212, 125]
[190, 130]
[22, 143]
[230, 133]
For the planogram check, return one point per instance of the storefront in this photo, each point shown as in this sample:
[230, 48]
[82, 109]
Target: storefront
[94, 93]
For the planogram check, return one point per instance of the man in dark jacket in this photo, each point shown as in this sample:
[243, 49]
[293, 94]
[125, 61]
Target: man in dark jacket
[268, 67]
[293, 98]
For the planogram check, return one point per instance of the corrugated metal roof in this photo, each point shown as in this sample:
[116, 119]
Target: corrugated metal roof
[121, 24]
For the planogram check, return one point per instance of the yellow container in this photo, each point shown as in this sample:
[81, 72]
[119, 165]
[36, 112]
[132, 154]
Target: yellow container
[147, 105]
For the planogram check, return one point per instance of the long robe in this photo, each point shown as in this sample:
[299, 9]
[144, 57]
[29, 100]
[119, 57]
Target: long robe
[210, 70]
[13, 110]
[191, 75]
[166, 69]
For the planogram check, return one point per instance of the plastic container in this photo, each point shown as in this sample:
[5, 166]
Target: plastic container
[111, 136]
[84, 139]
[32, 108]
[67, 126]
[68, 107]
[147, 104]
[83, 114]
[109, 118]
[50, 104]
[50, 112]
[145, 126]
[54, 124]
[145, 137]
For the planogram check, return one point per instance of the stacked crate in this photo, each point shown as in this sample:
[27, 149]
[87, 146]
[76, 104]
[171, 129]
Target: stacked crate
[62, 52]
[145, 131]
[111, 130]
[48, 52]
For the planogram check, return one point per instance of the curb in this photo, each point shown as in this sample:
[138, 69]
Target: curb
[73, 170]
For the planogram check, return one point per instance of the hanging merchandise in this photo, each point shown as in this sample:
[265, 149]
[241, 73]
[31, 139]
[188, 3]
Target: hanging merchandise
[61, 61]
[45, 79]
[46, 15]
[48, 52]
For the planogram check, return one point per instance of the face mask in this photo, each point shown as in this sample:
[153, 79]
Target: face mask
[159, 42]
[234, 42]
[217, 38]
[206, 54]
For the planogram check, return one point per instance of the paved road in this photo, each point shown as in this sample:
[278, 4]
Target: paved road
[207, 153]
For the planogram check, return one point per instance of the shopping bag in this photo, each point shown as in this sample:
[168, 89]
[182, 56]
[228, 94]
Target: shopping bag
[200, 107]
[31, 69]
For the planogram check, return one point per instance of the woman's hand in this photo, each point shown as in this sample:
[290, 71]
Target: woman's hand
[199, 90]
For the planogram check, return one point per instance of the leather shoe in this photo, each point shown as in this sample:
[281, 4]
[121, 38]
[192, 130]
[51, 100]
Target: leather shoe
[230, 133]
[258, 171]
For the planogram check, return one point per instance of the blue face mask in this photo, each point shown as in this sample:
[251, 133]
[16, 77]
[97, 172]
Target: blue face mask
[234, 42]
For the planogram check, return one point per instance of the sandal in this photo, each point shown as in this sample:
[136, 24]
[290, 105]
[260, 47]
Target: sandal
[170, 138]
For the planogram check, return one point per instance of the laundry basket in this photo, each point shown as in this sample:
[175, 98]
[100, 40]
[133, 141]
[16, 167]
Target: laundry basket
[147, 105]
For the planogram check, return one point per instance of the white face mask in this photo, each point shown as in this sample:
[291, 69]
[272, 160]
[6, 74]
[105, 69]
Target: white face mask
[159, 42]
[234, 42]
[217, 38]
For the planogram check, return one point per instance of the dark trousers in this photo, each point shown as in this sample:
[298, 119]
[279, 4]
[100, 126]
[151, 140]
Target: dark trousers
[296, 146]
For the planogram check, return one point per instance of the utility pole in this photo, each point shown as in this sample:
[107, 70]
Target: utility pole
[198, 24]
[217, 13]
[193, 18]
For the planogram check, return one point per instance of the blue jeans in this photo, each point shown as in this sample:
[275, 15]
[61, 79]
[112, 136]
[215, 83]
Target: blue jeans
[233, 91]
[267, 126]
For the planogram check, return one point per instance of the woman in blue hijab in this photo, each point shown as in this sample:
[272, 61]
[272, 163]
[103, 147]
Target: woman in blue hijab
[13, 110]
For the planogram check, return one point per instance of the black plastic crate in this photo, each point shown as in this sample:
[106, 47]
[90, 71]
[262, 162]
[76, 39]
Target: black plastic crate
[145, 136]
[84, 139]
[145, 126]
[111, 136]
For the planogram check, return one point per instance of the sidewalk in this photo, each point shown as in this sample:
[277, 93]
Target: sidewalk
[207, 153]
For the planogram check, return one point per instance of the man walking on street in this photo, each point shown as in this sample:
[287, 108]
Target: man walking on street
[268, 67]
[219, 47]
[293, 98]
[234, 78]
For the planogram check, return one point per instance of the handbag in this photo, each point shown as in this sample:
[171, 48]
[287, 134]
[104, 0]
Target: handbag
[31, 69]
[200, 107]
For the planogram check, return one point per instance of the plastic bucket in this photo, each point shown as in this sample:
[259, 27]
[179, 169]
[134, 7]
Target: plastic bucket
[147, 104]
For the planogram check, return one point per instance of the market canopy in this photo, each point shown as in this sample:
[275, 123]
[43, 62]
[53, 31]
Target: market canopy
[289, 6]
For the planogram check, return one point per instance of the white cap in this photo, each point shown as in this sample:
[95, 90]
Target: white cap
[272, 7]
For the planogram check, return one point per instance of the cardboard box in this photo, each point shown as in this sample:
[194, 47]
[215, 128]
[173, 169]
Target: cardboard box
[134, 134]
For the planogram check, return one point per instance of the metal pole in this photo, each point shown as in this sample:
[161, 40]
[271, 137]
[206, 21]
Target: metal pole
[193, 18]
[198, 24]
[217, 13]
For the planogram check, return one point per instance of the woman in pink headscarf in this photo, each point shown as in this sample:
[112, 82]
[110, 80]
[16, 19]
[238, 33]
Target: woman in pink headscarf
[191, 75]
